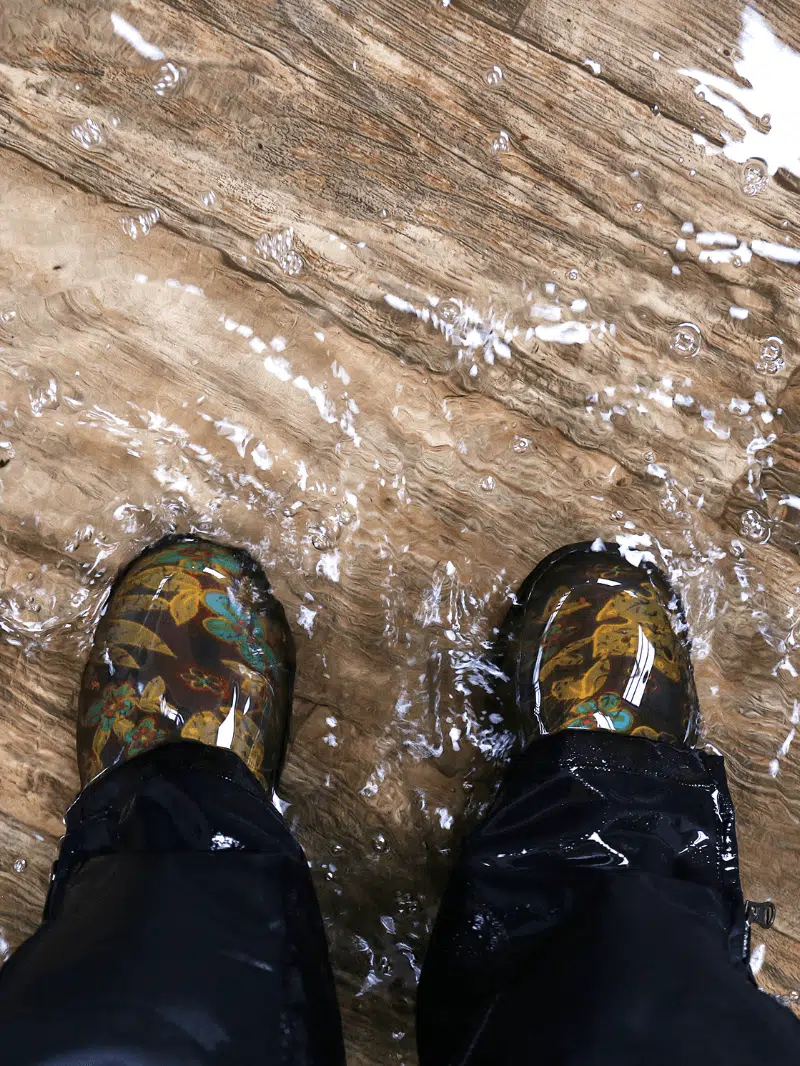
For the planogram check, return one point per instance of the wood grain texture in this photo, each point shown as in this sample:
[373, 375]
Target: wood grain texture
[391, 480]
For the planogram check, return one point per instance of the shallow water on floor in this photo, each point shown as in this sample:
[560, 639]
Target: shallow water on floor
[400, 301]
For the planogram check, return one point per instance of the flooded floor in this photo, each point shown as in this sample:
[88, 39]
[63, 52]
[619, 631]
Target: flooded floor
[401, 297]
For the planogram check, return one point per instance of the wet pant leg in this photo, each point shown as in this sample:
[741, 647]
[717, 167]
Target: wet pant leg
[181, 928]
[596, 919]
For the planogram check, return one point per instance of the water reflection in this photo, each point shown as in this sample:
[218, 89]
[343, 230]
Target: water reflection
[398, 448]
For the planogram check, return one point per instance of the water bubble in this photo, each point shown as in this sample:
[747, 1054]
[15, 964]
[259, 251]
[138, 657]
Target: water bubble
[755, 176]
[501, 143]
[638, 207]
[520, 444]
[686, 339]
[493, 76]
[208, 198]
[669, 503]
[20, 865]
[755, 526]
[771, 359]
[43, 396]
[321, 541]
[136, 225]
[573, 275]
[280, 248]
[88, 134]
[325, 536]
[488, 483]
[447, 311]
[170, 79]
[406, 903]
[8, 316]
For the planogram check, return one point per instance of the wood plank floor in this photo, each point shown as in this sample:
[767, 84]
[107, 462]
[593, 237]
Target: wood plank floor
[470, 353]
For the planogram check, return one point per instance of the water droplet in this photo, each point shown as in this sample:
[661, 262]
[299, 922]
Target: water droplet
[88, 134]
[638, 207]
[279, 248]
[20, 865]
[656, 56]
[649, 457]
[616, 515]
[686, 339]
[737, 261]
[380, 844]
[755, 176]
[766, 123]
[771, 359]
[8, 316]
[488, 483]
[785, 224]
[208, 198]
[656, 109]
[170, 79]
[520, 444]
[501, 143]
[573, 275]
[136, 225]
[755, 526]
[493, 76]
[384, 213]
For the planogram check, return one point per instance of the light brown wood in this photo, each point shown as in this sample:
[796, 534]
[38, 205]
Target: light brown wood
[134, 396]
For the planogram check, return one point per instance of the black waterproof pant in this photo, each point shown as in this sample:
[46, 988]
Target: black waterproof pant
[594, 918]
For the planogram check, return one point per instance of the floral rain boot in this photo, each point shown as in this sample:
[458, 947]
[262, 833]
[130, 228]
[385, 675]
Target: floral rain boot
[594, 642]
[192, 645]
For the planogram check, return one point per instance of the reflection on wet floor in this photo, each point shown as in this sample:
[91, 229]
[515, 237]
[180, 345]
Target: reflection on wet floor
[400, 300]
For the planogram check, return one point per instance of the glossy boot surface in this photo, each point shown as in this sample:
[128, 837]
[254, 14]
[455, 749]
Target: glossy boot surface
[595, 642]
[192, 646]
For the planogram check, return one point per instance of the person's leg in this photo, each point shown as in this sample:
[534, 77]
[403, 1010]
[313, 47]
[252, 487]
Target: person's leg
[596, 917]
[181, 925]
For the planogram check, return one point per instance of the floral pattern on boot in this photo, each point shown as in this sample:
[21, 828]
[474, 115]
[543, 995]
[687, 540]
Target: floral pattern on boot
[192, 646]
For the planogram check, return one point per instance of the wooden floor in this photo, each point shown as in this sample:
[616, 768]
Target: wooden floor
[466, 358]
